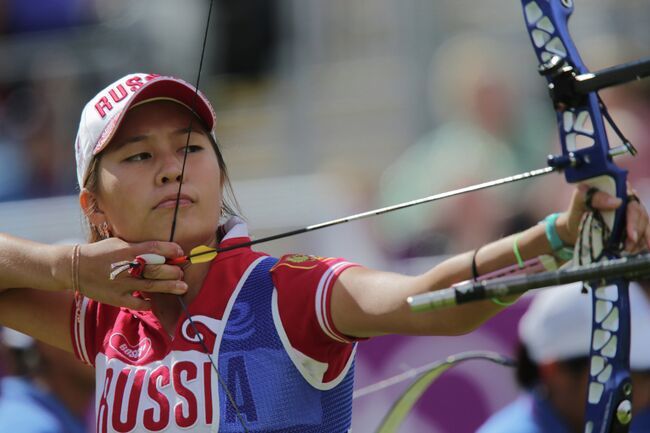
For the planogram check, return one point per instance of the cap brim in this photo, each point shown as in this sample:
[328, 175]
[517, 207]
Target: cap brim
[165, 88]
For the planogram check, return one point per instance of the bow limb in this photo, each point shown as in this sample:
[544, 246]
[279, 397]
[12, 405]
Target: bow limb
[426, 375]
[586, 158]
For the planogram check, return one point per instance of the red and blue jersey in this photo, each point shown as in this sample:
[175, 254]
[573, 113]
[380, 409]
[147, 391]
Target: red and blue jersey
[267, 325]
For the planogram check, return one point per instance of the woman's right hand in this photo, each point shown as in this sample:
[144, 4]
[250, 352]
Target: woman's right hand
[94, 268]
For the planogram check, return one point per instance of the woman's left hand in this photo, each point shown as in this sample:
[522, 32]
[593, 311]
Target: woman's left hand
[637, 230]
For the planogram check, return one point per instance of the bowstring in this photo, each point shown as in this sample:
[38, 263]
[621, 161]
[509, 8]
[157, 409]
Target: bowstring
[182, 303]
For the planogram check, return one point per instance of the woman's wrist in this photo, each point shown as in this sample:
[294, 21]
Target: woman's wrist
[60, 259]
[563, 230]
[558, 235]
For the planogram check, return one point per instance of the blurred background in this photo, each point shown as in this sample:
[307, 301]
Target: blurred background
[327, 108]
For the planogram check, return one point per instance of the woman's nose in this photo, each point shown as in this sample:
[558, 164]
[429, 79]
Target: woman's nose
[171, 171]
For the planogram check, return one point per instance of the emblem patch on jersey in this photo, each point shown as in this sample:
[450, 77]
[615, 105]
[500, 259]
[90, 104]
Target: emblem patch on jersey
[131, 352]
[300, 261]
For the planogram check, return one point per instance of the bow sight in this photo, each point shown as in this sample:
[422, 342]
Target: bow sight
[569, 90]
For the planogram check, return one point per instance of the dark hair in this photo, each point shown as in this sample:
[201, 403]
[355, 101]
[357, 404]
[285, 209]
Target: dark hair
[230, 206]
[528, 371]
[24, 362]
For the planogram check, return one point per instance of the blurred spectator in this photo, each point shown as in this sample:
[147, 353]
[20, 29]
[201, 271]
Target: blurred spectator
[247, 37]
[34, 137]
[473, 94]
[37, 15]
[14, 171]
[28, 164]
[46, 389]
[553, 364]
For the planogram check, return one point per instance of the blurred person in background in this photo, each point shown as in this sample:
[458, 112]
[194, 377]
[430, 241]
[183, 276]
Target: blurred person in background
[553, 364]
[45, 391]
[32, 151]
[19, 16]
[283, 331]
[473, 93]
[15, 167]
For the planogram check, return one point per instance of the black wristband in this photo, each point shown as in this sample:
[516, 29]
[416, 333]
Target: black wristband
[475, 274]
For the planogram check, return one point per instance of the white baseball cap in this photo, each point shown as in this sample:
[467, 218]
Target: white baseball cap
[103, 114]
[557, 325]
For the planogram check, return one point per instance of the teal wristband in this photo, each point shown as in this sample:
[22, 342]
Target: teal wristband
[564, 253]
[551, 232]
[561, 250]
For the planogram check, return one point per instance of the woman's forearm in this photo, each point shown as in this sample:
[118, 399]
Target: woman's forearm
[496, 255]
[367, 303]
[28, 264]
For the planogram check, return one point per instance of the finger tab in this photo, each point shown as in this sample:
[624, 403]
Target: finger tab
[152, 259]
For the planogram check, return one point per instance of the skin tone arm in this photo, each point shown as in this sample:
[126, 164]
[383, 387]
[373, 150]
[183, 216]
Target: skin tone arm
[25, 265]
[136, 183]
[360, 312]
[365, 302]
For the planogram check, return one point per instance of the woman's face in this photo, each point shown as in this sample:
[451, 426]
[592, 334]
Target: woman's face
[139, 175]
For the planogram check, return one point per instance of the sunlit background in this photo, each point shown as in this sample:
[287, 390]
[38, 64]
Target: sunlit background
[327, 108]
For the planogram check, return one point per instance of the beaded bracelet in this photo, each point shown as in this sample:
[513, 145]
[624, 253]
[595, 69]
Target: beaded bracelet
[75, 269]
[520, 263]
[501, 303]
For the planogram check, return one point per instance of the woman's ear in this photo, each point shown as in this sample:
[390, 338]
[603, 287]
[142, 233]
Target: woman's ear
[90, 207]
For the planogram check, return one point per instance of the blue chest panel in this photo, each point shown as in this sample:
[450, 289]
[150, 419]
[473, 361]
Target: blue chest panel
[270, 393]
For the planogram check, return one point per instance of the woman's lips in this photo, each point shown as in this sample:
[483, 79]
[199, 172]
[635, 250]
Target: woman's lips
[165, 204]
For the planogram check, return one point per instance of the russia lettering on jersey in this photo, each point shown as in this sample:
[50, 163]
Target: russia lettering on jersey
[136, 392]
[172, 394]
[148, 381]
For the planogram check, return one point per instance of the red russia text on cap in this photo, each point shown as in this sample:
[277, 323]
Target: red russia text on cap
[119, 92]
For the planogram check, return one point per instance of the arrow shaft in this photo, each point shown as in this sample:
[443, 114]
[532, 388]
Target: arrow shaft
[387, 209]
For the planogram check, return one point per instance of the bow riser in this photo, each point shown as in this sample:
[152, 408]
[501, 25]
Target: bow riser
[586, 158]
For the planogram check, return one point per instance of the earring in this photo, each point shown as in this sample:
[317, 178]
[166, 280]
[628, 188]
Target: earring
[104, 231]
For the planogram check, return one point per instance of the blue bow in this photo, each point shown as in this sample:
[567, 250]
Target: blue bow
[586, 157]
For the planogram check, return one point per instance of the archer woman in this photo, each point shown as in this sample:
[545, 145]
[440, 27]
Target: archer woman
[257, 344]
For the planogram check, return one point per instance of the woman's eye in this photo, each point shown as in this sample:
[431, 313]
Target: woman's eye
[138, 157]
[192, 148]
